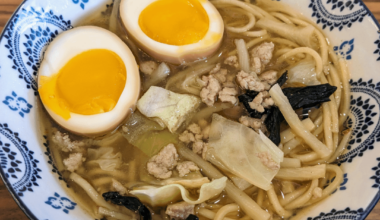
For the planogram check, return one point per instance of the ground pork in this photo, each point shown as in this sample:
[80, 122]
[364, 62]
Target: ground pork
[194, 128]
[268, 78]
[195, 135]
[65, 144]
[210, 91]
[254, 123]
[187, 137]
[219, 73]
[232, 61]
[228, 95]
[162, 164]
[266, 160]
[186, 167]
[261, 101]
[198, 146]
[261, 56]
[74, 161]
[180, 210]
[247, 81]
[148, 67]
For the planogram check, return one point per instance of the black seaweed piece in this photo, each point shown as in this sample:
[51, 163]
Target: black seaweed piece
[309, 96]
[130, 203]
[246, 99]
[192, 217]
[273, 123]
[299, 97]
[281, 81]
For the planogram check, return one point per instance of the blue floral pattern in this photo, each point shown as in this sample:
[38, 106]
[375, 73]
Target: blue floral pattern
[9, 161]
[17, 104]
[343, 214]
[376, 177]
[14, 153]
[361, 120]
[59, 202]
[377, 51]
[342, 5]
[326, 18]
[345, 49]
[80, 2]
[342, 186]
[27, 60]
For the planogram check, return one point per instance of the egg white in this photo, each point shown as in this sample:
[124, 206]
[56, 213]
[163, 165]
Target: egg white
[130, 11]
[75, 41]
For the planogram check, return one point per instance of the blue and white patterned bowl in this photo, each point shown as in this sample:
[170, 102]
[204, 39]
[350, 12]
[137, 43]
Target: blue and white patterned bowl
[25, 162]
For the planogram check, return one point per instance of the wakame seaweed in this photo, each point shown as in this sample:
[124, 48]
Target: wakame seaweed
[192, 217]
[130, 203]
[246, 99]
[250, 95]
[309, 96]
[299, 97]
[273, 123]
[281, 81]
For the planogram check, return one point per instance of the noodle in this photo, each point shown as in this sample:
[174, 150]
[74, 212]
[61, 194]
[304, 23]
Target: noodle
[243, 55]
[327, 126]
[303, 173]
[287, 187]
[345, 105]
[242, 5]
[342, 145]
[260, 197]
[291, 163]
[276, 204]
[91, 192]
[282, 17]
[225, 210]
[288, 134]
[311, 52]
[304, 198]
[116, 215]
[245, 28]
[289, 146]
[293, 195]
[210, 214]
[330, 188]
[251, 44]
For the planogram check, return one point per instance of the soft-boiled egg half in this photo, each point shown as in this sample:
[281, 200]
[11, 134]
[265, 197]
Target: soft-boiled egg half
[88, 80]
[174, 31]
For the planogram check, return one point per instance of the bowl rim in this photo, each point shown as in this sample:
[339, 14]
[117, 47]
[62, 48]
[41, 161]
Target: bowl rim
[30, 214]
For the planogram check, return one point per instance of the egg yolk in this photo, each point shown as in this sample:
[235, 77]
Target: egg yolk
[175, 22]
[90, 83]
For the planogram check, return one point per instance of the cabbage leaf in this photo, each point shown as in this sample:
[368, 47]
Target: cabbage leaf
[162, 196]
[245, 153]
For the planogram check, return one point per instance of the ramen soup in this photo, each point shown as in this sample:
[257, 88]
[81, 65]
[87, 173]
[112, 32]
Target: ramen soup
[195, 109]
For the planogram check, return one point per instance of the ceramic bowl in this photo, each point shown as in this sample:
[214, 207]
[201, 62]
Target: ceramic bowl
[25, 162]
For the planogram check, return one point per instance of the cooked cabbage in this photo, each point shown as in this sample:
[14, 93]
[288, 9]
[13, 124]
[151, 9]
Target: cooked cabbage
[169, 109]
[146, 134]
[105, 157]
[303, 72]
[245, 153]
[162, 196]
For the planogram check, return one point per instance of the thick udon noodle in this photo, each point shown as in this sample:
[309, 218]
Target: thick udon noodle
[303, 172]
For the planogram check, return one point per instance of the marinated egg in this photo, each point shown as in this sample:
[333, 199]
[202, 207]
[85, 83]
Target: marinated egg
[174, 31]
[88, 80]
